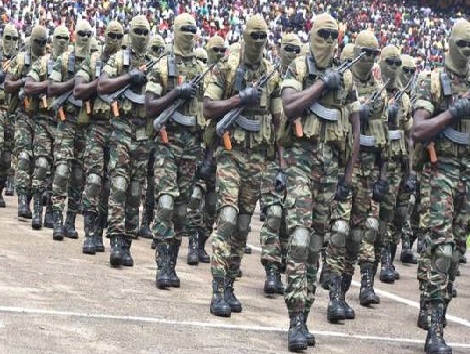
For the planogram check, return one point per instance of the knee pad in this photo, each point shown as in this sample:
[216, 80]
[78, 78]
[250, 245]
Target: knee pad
[371, 230]
[299, 244]
[120, 188]
[23, 161]
[42, 166]
[211, 203]
[61, 175]
[243, 224]
[227, 221]
[441, 258]
[353, 242]
[340, 231]
[274, 217]
[196, 198]
[166, 205]
[180, 216]
[93, 184]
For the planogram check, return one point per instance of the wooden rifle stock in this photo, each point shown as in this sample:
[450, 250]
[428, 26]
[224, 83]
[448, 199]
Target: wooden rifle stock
[432, 152]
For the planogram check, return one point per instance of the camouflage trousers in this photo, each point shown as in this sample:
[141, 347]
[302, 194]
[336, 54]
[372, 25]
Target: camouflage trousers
[24, 136]
[447, 221]
[273, 235]
[148, 192]
[175, 166]
[95, 165]
[239, 174]
[128, 156]
[312, 176]
[44, 135]
[7, 131]
[69, 149]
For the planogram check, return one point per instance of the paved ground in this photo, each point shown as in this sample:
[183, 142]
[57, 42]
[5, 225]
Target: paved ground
[54, 299]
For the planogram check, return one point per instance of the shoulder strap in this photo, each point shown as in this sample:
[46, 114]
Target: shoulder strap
[436, 85]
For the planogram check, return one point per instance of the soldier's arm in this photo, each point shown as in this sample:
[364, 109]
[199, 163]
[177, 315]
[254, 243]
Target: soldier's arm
[33, 84]
[55, 88]
[13, 84]
[83, 90]
[107, 84]
[424, 128]
[356, 130]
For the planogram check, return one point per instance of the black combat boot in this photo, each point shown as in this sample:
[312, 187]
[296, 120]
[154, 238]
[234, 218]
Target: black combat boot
[202, 254]
[145, 231]
[271, 281]
[193, 254]
[48, 218]
[451, 290]
[98, 233]
[279, 285]
[435, 343]
[163, 265]
[462, 259]
[387, 275]
[262, 216]
[407, 255]
[115, 257]
[89, 220]
[10, 186]
[345, 285]
[69, 227]
[309, 335]
[36, 222]
[367, 294]
[229, 295]
[154, 244]
[173, 252]
[2, 201]
[393, 252]
[335, 311]
[126, 252]
[423, 315]
[296, 340]
[219, 306]
[58, 232]
[23, 207]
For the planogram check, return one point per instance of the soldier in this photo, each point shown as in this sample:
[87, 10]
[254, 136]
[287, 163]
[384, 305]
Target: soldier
[24, 125]
[202, 212]
[201, 55]
[8, 51]
[273, 234]
[69, 146]
[241, 162]
[156, 46]
[176, 153]
[443, 106]
[317, 136]
[129, 141]
[45, 124]
[398, 153]
[95, 163]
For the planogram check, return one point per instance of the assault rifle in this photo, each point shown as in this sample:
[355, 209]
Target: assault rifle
[112, 98]
[160, 121]
[226, 122]
[341, 69]
[392, 110]
[59, 102]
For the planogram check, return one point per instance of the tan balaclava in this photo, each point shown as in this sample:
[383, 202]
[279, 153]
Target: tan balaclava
[140, 34]
[459, 48]
[408, 69]
[215, 48]
[365, 42]
[347, 54]
[156, 45]
[201, 54]
[255, 37]
[38, 41]
[185, 35]
[60, 41]
[113, 38]
[290, 49]
[10, 40]
[83, 35]
[390, 66]
[323, 39]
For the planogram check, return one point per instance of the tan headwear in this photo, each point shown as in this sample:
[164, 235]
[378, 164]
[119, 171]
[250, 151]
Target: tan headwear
[290, 41]
[323, 49]
[156, 45]
[184, 40]
[59, 43]
[201, 54]
[82, 43]
[390, 71]
[10, 45]
[255, 37]
[38, 41]
[457, 57]
[214, 42]
[139, 42]
[365, 40]
[112, 45]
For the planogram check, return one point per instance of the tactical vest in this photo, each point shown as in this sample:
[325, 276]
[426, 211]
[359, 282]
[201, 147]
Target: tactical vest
[397, 136]
[454, 140]
[100, 110]
[23, 65]
[35, 103]
[326, 120]
[238, 77]
[172, 74]
[70, 65]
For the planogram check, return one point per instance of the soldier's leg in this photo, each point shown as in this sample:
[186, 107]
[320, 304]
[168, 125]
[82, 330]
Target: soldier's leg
[3, 169]
[24, 133]
[10, 148]
[209, 218]
[149, 199]
[194, 221]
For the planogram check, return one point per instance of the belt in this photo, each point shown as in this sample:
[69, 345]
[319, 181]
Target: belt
[394, 135]
[367, 140]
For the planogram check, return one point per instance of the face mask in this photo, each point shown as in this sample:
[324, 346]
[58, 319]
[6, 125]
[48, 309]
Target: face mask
[38, 41]
[10, 40]
[113, 42]
[83, 41]
[323, 39]
[139, 39]
[255, 38]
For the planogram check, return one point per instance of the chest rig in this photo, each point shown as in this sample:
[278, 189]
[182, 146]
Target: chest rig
[23, 65]
[39, 104]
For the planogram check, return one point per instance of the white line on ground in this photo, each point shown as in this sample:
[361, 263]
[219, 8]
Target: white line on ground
[391, 296]
[22, 310]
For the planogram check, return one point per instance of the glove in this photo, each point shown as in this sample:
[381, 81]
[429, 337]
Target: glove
[460, 108]
[365, 112]
[343, 190]
[2, 76]
[138, 77]
[392, 112]
[280, 181]
[187, 90]
[379, 191]
[332, 79]
[411, 184]
[250, 95]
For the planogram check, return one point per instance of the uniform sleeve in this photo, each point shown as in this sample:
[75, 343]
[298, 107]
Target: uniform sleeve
[14, 68]
[35, 71]
[154, 81]
[85, 70]
[56, 74]
[110, 68]
[423, 93]
[291, 78]
[276, 102]
[405, 117]
[217, 82]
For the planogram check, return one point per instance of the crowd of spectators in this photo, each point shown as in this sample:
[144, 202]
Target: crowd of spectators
[415, 27]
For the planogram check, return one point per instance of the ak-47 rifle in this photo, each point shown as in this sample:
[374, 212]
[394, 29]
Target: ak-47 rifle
[392, 110]
[341, 69]
[112, 98]
[160, 121]
[223, 125]
[58, 104]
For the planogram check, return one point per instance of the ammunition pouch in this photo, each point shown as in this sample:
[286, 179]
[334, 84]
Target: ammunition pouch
[248, 124]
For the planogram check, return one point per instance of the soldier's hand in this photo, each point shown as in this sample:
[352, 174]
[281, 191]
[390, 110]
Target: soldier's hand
[379, 190]
[280, 181]
[343, 190]
[411, 184]
[392, 112]
[460, 108]
[332, 79]
[187, 90]
[138, 77]
[250, 95]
